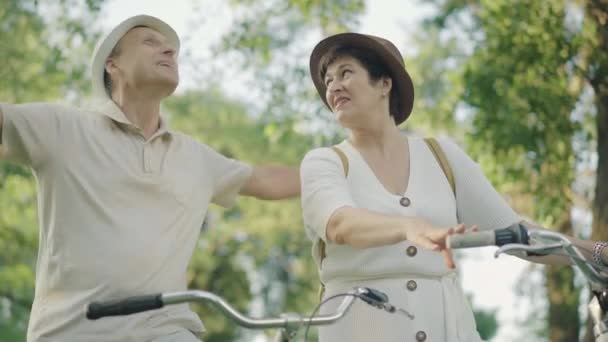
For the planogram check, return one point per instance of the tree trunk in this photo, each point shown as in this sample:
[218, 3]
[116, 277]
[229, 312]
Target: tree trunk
[564, 320]
[600, 201]
[597, 12]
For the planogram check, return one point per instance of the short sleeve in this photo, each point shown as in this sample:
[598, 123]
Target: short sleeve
[29, 132]
[324, 190]
[477, 202]
[229, 176]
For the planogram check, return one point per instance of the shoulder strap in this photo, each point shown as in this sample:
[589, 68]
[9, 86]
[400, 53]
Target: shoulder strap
[442, 160]
[321, 245]
[343, 158]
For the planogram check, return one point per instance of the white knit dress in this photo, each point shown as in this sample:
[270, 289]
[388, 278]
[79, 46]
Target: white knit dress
[415, 279]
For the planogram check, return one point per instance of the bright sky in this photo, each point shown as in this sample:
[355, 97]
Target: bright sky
[490, 280]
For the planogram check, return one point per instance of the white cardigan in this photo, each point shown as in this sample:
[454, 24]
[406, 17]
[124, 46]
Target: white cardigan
[442, 312]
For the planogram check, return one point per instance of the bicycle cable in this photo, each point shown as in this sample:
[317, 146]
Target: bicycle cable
[318, 307]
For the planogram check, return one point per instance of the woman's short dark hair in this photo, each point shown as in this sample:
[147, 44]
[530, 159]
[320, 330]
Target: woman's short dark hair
[371, 62]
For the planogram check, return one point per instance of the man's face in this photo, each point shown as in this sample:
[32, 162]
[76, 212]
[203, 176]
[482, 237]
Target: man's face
[144, 59]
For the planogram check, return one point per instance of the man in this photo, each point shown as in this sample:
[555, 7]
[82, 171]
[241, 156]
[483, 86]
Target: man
[121, 196]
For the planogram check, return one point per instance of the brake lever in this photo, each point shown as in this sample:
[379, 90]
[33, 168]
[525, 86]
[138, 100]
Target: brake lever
[534, 250]
[379, 300]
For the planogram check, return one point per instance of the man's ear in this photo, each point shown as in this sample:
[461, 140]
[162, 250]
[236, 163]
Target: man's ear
[111, 66]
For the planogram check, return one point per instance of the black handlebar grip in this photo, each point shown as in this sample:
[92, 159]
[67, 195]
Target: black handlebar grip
[122, 307]
[513, 234]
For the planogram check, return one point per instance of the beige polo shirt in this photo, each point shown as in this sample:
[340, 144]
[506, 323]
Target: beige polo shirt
[119, 215]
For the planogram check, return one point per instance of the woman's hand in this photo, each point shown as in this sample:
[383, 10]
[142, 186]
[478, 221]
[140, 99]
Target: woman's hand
[433, 238]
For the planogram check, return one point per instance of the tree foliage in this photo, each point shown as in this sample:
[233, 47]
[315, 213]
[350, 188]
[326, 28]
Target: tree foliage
[255, 250]
[513, 91]
[524, 87]
[272, 40]
[44, 59]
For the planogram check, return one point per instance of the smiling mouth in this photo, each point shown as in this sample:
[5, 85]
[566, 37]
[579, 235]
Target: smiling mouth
[341, 102]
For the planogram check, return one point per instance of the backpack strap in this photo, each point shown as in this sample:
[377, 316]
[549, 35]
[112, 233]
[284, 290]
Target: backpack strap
[321, 245]
[343, 158]
[442, 160]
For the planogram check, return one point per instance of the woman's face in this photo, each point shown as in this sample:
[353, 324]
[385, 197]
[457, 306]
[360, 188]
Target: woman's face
[351, 94]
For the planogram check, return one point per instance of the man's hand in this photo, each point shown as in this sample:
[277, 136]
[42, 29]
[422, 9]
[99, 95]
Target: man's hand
[436, 239]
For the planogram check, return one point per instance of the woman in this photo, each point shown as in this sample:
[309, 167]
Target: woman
[370, 204]
[373, 200]
[394, 199]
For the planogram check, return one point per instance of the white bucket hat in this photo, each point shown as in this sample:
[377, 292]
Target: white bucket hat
[108, 42]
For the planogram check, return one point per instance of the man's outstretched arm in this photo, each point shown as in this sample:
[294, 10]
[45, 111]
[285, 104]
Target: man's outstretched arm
[272, 183]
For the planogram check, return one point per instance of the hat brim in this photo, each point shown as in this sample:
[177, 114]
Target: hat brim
[401, 78]
[106, 44]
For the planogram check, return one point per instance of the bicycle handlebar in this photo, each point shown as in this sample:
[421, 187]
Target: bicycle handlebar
[125, 306]
[136, 304]
[533, 242]
[539, 242]
[547, 242]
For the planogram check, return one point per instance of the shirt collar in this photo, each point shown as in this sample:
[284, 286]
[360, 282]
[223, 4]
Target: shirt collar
[110, 109]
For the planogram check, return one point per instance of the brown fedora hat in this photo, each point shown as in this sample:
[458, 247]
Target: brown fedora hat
[386, 50]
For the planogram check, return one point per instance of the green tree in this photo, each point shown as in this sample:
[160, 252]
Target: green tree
[273, 40]
[520, 84]
[255, 250]
[439, 89]
[596, 73]
[44, 60]
[435, 67]
[268, 37]
[531, 63]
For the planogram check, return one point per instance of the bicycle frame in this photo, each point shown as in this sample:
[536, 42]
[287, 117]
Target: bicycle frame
[288, 324]
[547, 242]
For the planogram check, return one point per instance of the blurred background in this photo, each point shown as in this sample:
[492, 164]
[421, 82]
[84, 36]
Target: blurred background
[521, 85]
